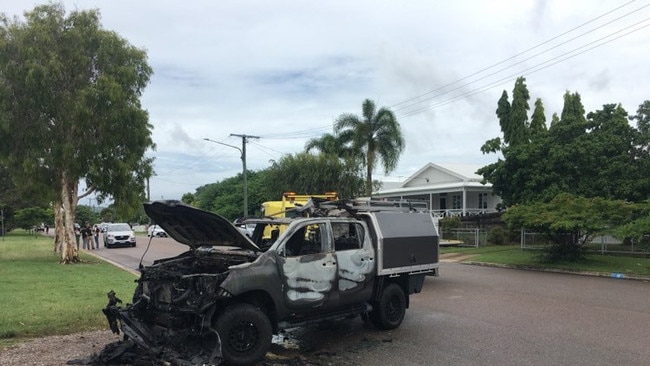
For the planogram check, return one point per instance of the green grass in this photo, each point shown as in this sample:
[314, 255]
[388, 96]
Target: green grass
[42, 297]
[513, 255]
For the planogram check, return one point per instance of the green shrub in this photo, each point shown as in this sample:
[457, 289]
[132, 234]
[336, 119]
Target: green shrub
[448, 223]
[497, 235]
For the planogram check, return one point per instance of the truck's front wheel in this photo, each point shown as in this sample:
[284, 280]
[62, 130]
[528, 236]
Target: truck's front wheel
[245, 333]
[389, 311]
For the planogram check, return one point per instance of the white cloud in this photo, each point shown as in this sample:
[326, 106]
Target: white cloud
[284, 70]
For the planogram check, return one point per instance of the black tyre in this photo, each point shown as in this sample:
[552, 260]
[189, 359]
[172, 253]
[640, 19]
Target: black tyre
[245, 333]
[389, 311]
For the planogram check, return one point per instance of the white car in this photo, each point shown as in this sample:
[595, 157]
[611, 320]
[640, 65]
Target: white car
[119, 235]
[245, 229]
[155, 230]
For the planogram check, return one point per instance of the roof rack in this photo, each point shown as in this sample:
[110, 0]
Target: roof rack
[319, 207]
[385, 205]
[354, 206]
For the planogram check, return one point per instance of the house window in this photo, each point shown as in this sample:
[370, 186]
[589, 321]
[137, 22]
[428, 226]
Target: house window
[482, 200]
[457, 202]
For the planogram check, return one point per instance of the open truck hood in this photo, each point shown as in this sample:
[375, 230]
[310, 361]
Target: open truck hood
[194, 227]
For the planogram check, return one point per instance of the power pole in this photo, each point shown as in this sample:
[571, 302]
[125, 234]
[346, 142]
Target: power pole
[244, 140]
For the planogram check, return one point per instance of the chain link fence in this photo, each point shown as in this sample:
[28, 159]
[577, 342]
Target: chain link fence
[604, 244]
[468, 237]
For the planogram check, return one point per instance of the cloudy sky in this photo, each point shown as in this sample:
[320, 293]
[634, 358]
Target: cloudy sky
[284, 70]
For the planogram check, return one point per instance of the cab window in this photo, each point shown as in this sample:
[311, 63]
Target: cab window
[347, 236]
[306, 240]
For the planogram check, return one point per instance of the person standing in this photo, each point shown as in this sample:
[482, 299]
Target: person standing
[87, 236]
[96, 236]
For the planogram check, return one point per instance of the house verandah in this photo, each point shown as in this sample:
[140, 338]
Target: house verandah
[446, 189]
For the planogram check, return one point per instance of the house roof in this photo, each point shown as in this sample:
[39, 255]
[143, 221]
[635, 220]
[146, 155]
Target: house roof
[431, 188]
[461, 172]
[468, 171]
[390, 185]
[437, 178]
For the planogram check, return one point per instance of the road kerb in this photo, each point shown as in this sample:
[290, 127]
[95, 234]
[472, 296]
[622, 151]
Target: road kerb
[555, 270]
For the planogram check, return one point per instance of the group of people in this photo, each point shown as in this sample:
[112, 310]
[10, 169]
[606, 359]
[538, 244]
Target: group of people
[89, 236]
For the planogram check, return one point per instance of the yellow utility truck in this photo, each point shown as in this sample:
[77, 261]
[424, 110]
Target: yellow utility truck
[291, 200]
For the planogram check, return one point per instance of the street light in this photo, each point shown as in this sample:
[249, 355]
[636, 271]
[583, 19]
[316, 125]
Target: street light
[242, 151]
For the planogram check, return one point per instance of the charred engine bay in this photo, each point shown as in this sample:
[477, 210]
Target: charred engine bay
[171, 318]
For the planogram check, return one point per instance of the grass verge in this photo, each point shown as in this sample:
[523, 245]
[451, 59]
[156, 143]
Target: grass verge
[514, 256]
[41, 297]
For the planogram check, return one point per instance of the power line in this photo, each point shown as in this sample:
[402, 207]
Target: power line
[263, 148]
[533, 69]
[297, 134]
[201, 163]
[509, 58]
[420, 97]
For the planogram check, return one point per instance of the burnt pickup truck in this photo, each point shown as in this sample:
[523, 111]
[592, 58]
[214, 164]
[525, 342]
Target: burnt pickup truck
[223, 299]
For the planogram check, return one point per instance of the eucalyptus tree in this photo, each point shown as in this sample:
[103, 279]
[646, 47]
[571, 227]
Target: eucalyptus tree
[376, 136]
[70, 106]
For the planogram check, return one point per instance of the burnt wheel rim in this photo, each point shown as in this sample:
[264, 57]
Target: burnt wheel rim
[393, 308]
[243, 336]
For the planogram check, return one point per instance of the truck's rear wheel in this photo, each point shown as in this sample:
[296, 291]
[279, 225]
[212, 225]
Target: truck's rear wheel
[245, 333]
[389, 311]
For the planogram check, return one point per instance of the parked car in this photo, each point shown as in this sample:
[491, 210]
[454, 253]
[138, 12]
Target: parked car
[119, 235]
[103, 225]
[155, 230]
[246, 229]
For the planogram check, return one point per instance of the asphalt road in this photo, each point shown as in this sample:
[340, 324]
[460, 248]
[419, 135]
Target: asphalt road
[146, 249]
[490, 316]
[473, 315]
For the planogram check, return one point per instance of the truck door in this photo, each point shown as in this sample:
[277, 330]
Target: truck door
[355, 257]
[309, 267]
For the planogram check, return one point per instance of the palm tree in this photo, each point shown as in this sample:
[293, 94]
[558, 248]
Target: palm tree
[326, 144]
[330, 144]
[375, 135]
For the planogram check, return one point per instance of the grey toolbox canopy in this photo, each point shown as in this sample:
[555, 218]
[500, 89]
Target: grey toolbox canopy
[406, 241]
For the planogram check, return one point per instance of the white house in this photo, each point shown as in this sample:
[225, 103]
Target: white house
[447, 189]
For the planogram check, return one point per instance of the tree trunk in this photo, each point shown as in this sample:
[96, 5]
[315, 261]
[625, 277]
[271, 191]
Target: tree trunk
[69, 200]
[58, 227]
[370, 164]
